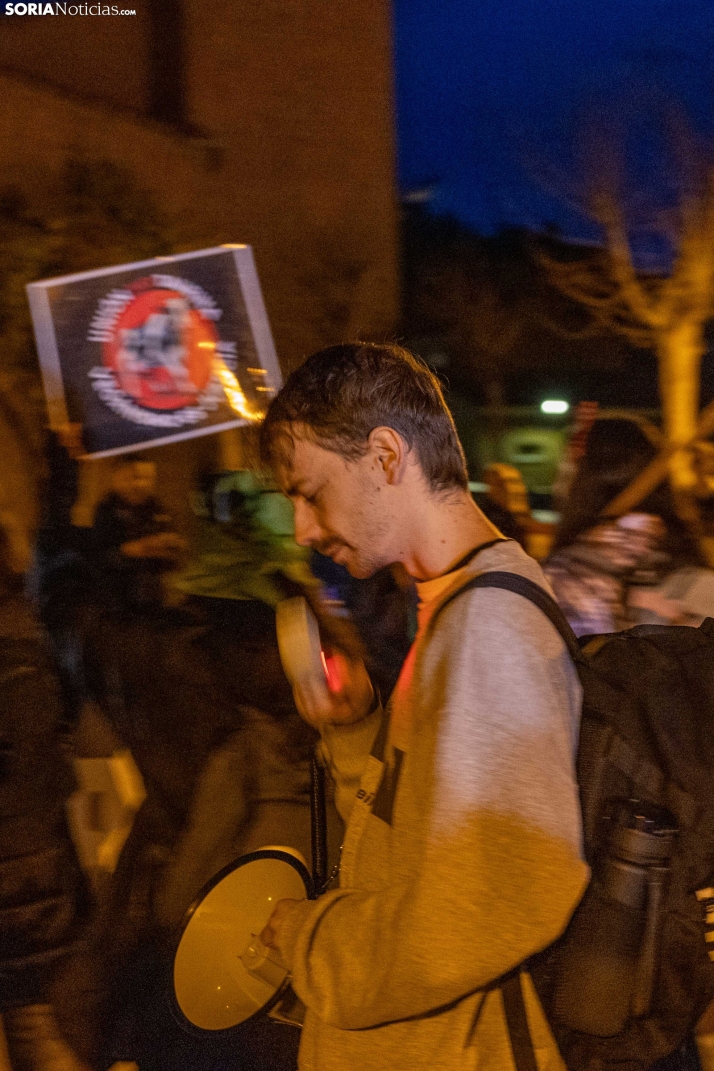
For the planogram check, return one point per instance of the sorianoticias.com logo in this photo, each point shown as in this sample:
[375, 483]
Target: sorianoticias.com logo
[65, 9]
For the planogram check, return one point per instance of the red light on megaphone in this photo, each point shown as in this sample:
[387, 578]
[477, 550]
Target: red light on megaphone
[332, 672]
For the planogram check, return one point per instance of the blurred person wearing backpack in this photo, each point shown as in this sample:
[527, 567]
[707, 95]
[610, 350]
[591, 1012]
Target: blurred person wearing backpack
[607, 574]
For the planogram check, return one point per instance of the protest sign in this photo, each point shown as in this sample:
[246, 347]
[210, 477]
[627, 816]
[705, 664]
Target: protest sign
[157, 351]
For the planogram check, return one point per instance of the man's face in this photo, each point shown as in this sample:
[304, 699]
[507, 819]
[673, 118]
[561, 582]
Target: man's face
[135, 482]
[339, 507]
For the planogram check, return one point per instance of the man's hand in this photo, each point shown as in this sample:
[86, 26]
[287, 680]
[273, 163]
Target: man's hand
[271, 931]
[349, 697]
[70, 437]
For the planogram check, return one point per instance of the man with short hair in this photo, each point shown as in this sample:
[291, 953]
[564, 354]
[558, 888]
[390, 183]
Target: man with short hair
[462, 850]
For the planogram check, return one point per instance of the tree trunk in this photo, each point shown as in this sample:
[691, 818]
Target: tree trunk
[680, 351]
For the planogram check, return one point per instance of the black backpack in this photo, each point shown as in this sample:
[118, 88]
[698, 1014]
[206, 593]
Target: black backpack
[647, 734]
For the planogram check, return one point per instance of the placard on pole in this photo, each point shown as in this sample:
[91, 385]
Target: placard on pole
[157, 351]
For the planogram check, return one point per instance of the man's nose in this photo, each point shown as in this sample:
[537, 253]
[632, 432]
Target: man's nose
[307, 530]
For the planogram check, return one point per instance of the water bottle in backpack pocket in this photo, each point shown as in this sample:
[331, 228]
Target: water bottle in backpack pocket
[606, 969]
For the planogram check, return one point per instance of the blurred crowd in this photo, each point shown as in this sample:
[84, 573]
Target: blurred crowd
[122, 644]
[118, 647]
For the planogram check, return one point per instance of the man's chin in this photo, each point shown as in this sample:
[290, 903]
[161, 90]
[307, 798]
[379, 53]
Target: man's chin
[360, 570]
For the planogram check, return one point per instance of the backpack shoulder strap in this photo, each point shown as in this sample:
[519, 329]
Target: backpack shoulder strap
[521, 585]
[514, 1006]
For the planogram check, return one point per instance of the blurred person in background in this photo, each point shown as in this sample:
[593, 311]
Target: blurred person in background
[134, 538]
[222, 778]
[505, 502]
[61, 581]
[43, 896]
[200, 698]
[607, 573]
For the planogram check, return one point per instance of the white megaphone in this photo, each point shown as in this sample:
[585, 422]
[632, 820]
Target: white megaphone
[222, 973]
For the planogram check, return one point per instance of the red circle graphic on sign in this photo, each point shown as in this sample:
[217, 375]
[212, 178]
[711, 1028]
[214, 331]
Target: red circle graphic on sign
[161, 350]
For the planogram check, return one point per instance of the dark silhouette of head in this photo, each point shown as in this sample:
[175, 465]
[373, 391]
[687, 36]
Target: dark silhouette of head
[616, 451]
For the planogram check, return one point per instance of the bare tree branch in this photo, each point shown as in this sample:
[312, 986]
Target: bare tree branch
[588, 284]
[595, 326]
[653, 475]
[609, 214]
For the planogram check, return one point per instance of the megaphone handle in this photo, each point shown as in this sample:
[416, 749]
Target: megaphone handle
[318, 826]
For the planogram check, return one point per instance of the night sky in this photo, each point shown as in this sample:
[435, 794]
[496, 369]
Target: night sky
[486, 86]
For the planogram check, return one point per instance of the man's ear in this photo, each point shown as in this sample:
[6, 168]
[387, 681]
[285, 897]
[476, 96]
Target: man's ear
[390, 452]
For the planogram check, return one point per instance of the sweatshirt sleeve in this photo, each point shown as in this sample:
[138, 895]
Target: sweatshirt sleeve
[500, 871]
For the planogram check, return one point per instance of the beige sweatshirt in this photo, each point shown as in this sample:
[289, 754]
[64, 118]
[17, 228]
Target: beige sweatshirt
[462, 853]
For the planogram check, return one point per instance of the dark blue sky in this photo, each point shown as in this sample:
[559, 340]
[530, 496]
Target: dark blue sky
[484, 86]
